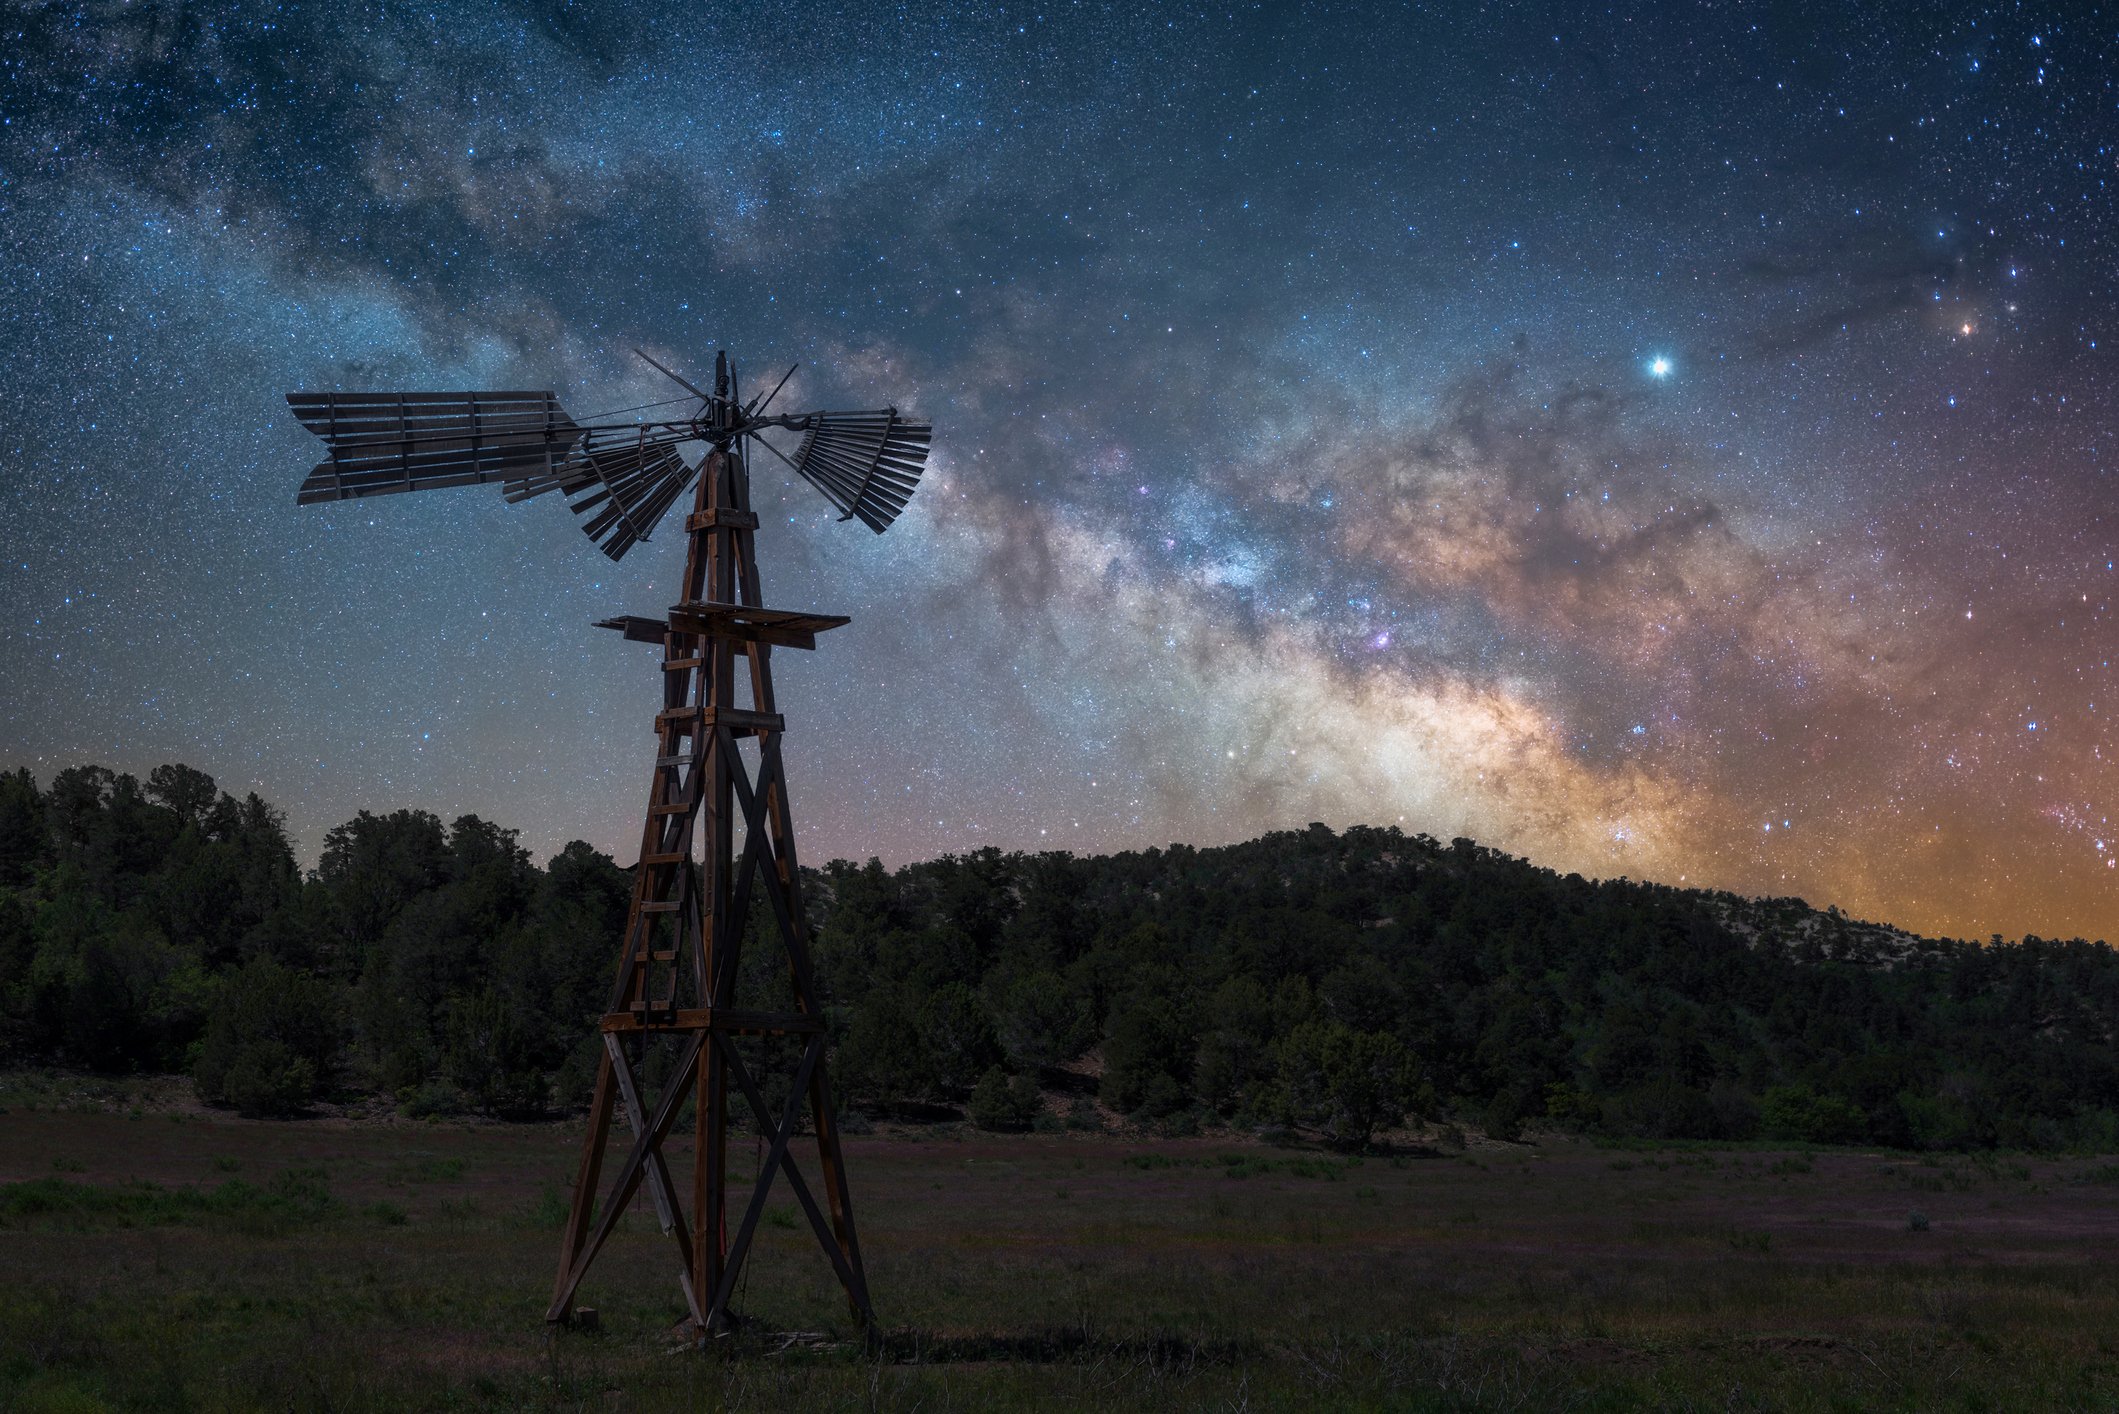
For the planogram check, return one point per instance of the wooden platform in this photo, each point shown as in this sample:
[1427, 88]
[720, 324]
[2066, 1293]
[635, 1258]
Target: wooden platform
[783, 628]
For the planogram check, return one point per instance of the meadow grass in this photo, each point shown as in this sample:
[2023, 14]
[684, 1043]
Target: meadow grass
[182, 1262]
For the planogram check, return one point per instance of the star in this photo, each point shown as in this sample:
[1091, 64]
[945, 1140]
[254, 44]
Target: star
[1396, 498]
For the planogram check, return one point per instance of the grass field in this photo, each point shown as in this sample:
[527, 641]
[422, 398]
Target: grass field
[153, 1256]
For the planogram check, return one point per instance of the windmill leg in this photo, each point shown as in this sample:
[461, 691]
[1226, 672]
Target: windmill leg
[840, 1199]
[629, 1175]
[585, 1180]
[658, 1174]
[710, 1181]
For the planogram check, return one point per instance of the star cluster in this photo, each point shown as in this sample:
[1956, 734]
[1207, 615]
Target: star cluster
[1672, 442]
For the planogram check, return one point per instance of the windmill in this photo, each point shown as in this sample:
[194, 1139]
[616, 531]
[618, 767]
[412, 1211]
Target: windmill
[680, 960]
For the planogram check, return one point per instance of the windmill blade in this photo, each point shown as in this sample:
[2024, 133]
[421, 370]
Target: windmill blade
[602, 447]
[629, 487]
[865, 463]
[381, 443]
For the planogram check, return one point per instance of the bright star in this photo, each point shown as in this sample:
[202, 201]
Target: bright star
[1659, 367]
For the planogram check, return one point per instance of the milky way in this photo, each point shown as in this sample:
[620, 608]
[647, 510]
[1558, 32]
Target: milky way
[1674, 444]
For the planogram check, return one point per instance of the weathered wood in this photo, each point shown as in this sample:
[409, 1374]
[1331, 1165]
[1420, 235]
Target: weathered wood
[729, 1020]
[658, 1175]
[637, 629]
[715, 516]
[681, 960]
[628, 1180]
[749, 622]
[740, 1247]
[738, 720]
[575, 1234]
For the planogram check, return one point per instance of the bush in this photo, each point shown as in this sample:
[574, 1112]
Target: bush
[1503, 1120]
[1663, 1110]
[1001, 1101]
[265, 1078]
[1148, 1051]
[437, 1099]
[490, 1055]
[1348, 1083]
[1798, 1112]
[269, 1041]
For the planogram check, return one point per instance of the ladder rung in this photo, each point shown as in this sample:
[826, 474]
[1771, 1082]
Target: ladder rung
[655, 860]
[684, 760]
[682, 665]
[739, 720]
[662, 906]
[680, 808]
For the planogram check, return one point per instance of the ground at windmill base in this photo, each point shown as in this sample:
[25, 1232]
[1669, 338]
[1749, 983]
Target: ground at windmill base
[156, 1256]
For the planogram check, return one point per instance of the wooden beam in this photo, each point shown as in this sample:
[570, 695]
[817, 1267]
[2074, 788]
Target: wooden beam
[728, 1020]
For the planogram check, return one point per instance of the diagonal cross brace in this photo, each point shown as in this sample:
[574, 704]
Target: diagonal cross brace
[628, 1181]
[732, 1264]
[658, 1174]
[849, 1276]
[757, 849]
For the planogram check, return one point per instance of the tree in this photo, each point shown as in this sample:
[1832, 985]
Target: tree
[269, 1043]
[188, 792]
[1002, 1101]
[23, 843]
[878, 1057]
[1235, 1054]
[957, 1038]
[373, 866]
[1346, 1082]
[1041, 1020]
[491, 1055]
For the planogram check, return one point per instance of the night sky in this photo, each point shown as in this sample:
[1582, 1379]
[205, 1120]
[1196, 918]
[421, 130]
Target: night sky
[1666, 442]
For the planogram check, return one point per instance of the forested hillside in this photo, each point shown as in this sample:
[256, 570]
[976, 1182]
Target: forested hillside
[1327, 982]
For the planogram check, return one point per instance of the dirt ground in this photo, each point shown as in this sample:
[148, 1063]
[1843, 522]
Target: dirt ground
[157, 1255]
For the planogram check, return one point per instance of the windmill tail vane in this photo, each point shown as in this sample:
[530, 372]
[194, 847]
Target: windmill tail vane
[620, 478]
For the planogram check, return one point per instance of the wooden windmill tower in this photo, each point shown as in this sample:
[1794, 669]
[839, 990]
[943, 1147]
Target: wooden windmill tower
[695, 886]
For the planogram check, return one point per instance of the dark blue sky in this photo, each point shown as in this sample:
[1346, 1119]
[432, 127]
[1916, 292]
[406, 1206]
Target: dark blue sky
[1671, 442]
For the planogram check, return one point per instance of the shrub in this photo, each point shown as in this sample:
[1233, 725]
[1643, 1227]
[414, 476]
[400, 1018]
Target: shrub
[550, 1210]
[437, 1099]
[1799, 1112]
[1001, 1101]
[1504, 1117]
[269, 1041]
[1148, 1051]
[1570, 1106]
[490, 1054]
[266, 1078]
[1348, 1083]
